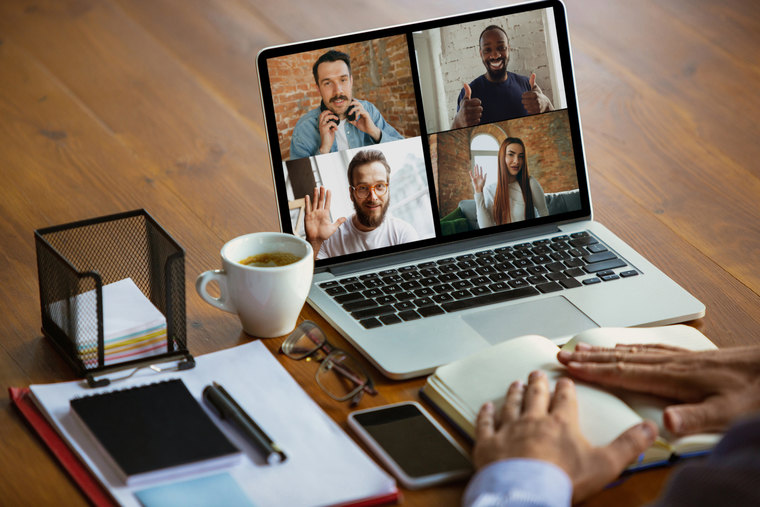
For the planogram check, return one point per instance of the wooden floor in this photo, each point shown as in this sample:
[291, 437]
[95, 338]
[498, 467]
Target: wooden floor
[113, 105]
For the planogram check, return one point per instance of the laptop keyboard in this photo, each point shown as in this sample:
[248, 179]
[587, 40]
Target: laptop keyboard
[476, 279]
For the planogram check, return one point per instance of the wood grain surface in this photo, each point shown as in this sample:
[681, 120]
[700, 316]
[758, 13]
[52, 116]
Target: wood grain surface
[113, 105]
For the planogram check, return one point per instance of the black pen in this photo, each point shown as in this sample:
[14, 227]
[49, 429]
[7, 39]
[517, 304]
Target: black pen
[227, 408]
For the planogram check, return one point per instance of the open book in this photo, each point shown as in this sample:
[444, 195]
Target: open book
[460, 388]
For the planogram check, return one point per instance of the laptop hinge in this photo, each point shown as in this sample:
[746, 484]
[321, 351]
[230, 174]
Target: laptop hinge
[435, 251]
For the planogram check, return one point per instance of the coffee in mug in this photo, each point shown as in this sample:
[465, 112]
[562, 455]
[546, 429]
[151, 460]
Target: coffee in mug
[265, 278]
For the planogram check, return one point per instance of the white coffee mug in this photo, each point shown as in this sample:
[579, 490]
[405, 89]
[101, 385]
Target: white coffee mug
[268, 300]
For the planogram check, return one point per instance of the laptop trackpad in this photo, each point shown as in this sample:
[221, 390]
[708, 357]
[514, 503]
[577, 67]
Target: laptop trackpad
[552, 317]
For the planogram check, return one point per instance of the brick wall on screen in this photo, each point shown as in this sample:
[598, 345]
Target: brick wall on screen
[547, 143]
[382, 75]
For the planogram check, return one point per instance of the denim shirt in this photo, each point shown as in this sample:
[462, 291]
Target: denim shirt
[306, 140]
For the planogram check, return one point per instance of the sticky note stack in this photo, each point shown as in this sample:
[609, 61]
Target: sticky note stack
[133, 328]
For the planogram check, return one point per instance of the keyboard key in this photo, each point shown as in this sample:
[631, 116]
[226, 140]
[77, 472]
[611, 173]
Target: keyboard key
[484, 253]
[334, 291]
[373, 312]
[447, 260]
[485, 270]
[372, 293]
[563, 238]
[604, 265]
[425, 265]
[390, 319]
[392, 289]
[479, 291]
[570, 283]
[411, 285]
[368, 276]
[449, 268]
[409, 315]
[498, 287]
[448, 278]
[428, 272]
[537, 270]
[574, 262]
[608, 278]
[481, 280]
[598, 257]
[442, 298]
[591, 281]
[359, 305]
[405, 296]
[406, 269]
[575, 272]
[583, 241]
[370, 323]
[422, 302]
[424, 292]
[461, 294]
[541, 259]
[465, 257]
[518, 273]
[519, 283]
[331, 283]
[496, 297]
[372, 283]
[629, 273]
[345, 298]
[429, 282]
[461, 284]
[350, 279]
[354, 287]
[549, 287]
[536, 279]
[411, 275]
[467, 273]
[498, 277]
[388, 272]
[429, 311]
[385, 300]
[443, 288]
[403, 306]
[596, 248]
[556, 276]
[523, 246]
[392, 279]
[522, 263]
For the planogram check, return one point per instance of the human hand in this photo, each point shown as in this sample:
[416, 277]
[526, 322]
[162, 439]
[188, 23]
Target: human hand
[328, 124]
[534, 101]
[537, 424]
[478, 178]
[470, 110]
[714, 387]
[316, 222]
[363, 122]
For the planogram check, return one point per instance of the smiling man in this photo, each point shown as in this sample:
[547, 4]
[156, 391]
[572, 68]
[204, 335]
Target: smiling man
[341, 121]
[369, 227]
[498, 94]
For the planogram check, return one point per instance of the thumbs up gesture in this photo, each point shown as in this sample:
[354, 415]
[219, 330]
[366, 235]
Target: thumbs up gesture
[534, 101]
[470, 110]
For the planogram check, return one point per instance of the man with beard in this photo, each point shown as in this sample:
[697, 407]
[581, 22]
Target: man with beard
[498, 94]
[368, 228]
[341, 121]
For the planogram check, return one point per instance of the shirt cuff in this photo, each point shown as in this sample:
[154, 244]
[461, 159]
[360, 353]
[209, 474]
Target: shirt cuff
[519, 482]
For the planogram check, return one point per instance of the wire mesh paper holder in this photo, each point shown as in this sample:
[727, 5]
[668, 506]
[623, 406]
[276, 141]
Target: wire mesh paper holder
[83, 256]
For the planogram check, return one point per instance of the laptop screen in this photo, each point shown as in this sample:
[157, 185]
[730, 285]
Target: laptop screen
[426, 133]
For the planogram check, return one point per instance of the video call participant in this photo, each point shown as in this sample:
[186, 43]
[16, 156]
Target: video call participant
[532, 453]
[498, 94]
[515, 196]
[368, 228]
[342, 121]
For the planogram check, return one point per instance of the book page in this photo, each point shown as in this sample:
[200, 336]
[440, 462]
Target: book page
[679, 335]
[486, 375]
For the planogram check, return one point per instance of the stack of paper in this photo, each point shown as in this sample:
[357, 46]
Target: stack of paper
[133, 327]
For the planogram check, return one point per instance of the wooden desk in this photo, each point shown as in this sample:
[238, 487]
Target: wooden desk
[112, 105]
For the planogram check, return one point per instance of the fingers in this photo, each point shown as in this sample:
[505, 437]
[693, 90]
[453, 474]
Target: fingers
[484, 423]
[467, 91]
[532, 81]
[710, 415]
[328, 198]
[340, 221]
[536, 398]
[624, 450]
[513, 402]
[307, 204]
[564, 402]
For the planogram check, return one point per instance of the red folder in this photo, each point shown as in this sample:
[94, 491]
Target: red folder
[90, 486]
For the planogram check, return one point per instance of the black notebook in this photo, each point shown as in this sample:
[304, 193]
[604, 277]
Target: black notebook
[154, 431]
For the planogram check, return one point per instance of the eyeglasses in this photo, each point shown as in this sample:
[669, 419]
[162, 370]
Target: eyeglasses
[339, 375]
[362, 191]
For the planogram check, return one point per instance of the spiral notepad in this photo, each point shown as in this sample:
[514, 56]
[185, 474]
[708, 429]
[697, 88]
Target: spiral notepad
[154, 431]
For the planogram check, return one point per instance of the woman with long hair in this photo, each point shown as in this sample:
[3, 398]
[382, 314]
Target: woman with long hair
[515, 196]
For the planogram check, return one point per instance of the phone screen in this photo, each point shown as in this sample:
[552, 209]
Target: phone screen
[412, 441]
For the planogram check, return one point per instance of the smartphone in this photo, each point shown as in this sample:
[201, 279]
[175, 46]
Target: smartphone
[414, 447]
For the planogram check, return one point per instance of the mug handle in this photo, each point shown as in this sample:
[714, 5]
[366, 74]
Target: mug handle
[220, 276]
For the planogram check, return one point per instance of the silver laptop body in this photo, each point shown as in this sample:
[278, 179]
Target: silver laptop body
[439, 54]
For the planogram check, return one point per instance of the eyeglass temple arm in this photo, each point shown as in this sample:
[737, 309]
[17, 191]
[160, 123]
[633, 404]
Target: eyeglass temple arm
[353, 377]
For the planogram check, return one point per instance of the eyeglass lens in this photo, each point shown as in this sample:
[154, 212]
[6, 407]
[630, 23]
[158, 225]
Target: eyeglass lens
[363, 190]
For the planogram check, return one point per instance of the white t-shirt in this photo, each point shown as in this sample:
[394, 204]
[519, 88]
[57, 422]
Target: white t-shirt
[348, 239]
[341, 137]
[484, 202]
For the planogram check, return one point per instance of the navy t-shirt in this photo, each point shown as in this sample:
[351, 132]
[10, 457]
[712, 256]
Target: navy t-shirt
[500, 101]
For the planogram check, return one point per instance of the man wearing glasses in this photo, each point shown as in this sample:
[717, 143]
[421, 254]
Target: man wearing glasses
[368, 228]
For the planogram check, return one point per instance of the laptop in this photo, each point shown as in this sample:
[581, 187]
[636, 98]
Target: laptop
[438, 170]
